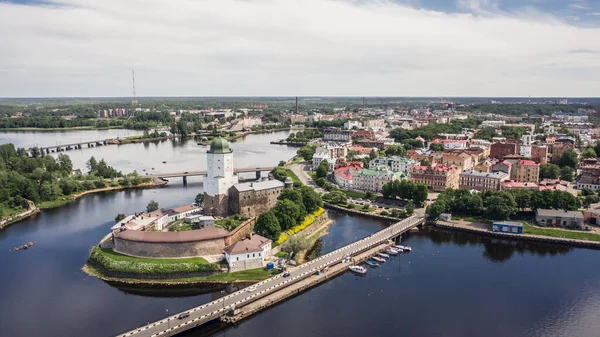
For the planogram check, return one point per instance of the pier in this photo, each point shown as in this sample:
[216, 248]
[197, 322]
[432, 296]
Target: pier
[245, 302]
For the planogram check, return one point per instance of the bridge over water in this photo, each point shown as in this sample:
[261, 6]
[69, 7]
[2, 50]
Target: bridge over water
[207, 312]
[186, 174]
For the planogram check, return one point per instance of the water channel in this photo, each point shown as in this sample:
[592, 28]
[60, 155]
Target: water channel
[451, 284]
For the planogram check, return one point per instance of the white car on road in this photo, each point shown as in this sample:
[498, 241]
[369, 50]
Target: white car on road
[251, 289]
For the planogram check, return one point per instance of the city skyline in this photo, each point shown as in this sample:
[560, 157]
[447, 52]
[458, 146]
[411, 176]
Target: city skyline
[427, 48]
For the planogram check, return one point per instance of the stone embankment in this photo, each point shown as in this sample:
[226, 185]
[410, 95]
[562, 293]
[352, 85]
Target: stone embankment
[354, 211]
[524, 237]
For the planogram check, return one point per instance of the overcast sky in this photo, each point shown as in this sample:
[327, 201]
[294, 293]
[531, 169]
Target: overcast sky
[547, 48]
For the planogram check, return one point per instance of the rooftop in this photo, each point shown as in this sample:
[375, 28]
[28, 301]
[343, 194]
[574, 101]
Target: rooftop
[258, 186]
[559, 213]
[254, 244]
[473, 173]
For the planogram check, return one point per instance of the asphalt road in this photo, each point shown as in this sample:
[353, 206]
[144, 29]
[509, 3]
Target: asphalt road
[212, 310]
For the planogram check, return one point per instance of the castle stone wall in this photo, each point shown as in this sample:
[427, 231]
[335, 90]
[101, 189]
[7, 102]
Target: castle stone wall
[169, 250]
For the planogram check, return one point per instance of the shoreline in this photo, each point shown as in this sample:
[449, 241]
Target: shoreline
[60, 203]
[521, 237]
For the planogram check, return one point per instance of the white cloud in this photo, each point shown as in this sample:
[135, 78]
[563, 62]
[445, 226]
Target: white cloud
[282, 47]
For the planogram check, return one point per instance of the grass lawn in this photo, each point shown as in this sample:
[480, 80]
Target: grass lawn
[258, 274]
[230, 223]
[120, 257]
[294, 177]
[282, 255]
[8, 211]
[559, 233]
[180, 226]
[61, 201]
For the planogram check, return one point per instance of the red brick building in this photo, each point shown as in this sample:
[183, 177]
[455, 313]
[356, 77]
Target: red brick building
[499, 150]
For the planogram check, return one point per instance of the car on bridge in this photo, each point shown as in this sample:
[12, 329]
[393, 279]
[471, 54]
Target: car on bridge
[251, 289]
[183, 315]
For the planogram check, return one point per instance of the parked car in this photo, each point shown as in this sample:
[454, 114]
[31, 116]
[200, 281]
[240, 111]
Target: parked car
[286, 274]
[183, 315]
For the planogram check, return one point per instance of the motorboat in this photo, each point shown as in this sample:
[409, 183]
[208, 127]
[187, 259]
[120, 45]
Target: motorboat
[378, 259]
[358, 269]
[383, 255]
[404, 248]
[391, 251]
[398, 248]
[372, 263]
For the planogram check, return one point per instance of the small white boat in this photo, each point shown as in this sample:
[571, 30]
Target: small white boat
[383, 255]
[404, 248]
[398, 248]
[358, 269]
[378, 259]
[391, 251]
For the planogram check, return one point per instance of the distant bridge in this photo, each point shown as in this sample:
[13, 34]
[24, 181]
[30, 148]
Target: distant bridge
[186, 174]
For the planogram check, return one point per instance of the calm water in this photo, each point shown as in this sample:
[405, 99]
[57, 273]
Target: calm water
[27, 139]
[450, 285]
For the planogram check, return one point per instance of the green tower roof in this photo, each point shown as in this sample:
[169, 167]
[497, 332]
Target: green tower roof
[219, 146]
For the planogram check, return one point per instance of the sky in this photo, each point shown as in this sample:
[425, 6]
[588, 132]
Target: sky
[433, 48]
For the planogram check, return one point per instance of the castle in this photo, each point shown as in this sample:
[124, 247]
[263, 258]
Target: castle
[224, 195]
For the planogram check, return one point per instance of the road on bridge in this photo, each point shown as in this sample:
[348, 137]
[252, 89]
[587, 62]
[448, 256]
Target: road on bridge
[212, 310]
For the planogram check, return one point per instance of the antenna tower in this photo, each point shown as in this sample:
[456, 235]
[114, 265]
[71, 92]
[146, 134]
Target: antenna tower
[134, 101]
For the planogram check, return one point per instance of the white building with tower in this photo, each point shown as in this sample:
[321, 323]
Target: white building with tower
[219, 178]
[525, 149]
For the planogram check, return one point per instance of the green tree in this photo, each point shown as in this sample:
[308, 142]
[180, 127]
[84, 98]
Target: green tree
[549, 171]
[500, 206]
[372, 154]
[425, 162]
[281, 163]
[92, 164]
[435, 209]
[307, 151]
[522, 198]
[323, 169]
[199, 198]
[566, 173]
[369, 195]
[311, 199]
[320, 182]
[336, 197]
[287, 213]
[279, 173]
[268, 226]
[295, 244]
[588, 153]
[568, 158]
[420, 194]
[589, 200]
[152, 206]
[436, 147]
[119, 217]
[410, 207]
[295, 196]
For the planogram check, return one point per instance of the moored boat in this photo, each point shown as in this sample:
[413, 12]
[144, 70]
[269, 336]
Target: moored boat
[404, 248]
[358, 269]
[391, 251]
[383, 255]
[378, 259]
[372, 263]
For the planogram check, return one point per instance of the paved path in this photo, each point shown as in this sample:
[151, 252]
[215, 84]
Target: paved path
[215, 309]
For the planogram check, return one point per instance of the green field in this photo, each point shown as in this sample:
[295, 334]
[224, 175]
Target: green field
[8, 211]
[244, 275]
[294, 177]
[61, 201]
[180, 226]
[109, 260]
[557, 233]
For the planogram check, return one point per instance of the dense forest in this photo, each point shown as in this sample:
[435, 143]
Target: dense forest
[430, 130]
[513, 109]
[44, 178]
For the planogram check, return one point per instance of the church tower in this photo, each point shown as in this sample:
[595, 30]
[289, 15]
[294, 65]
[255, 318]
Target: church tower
[219, 178]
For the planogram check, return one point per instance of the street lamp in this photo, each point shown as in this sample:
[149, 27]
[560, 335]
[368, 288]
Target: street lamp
[168, 322]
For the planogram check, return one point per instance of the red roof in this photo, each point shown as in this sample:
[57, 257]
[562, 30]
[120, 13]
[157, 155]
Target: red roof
[527, 162]
[439, 168]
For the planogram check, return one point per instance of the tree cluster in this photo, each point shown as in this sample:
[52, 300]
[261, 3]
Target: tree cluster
[291, 209]
[406, 189]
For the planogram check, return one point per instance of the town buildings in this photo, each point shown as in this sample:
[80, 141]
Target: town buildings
[459, 159]
[373, 180]
[395, 163]
[525, 171]
[336, 135]
[253, 198]
[501, 149]
[590, 177]
[559, 218]
[482, 181]
[437, 178]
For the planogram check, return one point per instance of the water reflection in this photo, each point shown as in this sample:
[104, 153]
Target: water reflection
[496, 249]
